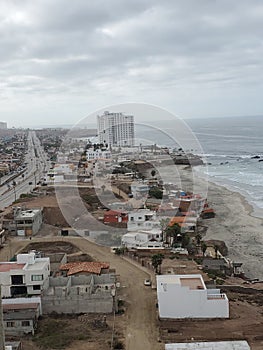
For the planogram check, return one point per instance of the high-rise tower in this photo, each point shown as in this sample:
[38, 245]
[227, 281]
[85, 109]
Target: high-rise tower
[116, 129]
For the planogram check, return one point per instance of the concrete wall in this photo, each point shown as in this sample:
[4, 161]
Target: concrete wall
[79, 294]
[77, 304]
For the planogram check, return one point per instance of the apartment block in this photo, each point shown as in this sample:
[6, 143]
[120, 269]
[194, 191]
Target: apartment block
[27, 276]
[116, 129]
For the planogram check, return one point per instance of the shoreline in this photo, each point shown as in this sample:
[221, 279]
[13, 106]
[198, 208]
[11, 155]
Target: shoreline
[234, 224]
[254, 210]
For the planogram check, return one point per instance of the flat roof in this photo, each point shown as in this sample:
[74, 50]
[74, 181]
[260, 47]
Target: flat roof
[7, 266]
[38, 265]
[27, 214]
[221, 345]
[193, 282]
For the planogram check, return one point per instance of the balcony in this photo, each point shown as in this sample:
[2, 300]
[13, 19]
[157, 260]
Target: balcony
[216, 297]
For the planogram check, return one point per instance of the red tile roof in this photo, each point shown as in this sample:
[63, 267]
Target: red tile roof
[7, 266]
[88, 267]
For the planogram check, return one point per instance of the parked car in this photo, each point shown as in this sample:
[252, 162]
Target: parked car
[147, 282]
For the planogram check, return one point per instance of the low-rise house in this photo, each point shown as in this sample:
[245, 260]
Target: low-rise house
[167, 209]
[222, 264]
[187, 223]
[114, 216]
[186, 296]
[20, 315]
[143, 219]
[98, 154]
[139, 190]
[219, 345]
[27, 222]
[26, 276]
[142, 239]
[189, 202]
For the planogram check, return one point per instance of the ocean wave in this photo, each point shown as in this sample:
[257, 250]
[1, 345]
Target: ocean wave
[228, 136]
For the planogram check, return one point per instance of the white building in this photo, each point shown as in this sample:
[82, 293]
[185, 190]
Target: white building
[139, 190]
[3, 125]
[27, 222]
[28, 275]
[186, 296]
[98, 154]
[147, 239]
[116, 129]
[143, 219]
[221, 345]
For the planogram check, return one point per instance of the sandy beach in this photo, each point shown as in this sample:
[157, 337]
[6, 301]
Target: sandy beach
[233, 224]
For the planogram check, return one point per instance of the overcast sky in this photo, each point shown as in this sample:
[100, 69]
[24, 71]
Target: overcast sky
[61, 60]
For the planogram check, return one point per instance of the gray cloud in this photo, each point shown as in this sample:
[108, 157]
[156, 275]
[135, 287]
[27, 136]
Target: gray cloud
[114, 51]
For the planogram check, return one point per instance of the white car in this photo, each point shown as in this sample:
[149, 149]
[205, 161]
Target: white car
[147, 282]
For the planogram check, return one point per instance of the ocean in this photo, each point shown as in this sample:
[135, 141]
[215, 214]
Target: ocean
[231, 146]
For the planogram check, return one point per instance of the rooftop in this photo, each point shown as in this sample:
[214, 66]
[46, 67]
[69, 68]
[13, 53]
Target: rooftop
[193, 282]
[88, 267]
[27, 214]
[7, 307]
[7, 266]
[222, 345]
[39, 264]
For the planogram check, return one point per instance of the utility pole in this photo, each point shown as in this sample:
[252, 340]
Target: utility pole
[2, 334]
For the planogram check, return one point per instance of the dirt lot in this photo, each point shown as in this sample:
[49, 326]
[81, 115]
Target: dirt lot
[90, 332]
[56, 247]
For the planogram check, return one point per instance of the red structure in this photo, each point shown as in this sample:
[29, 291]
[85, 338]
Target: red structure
[113, 216]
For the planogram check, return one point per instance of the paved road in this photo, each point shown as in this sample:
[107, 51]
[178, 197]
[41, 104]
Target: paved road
[141, 332]
[36, 166]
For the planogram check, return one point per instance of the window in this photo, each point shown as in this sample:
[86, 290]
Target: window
[25, 323]
[10, 324]
[37, 278]
[37, 287]
[17, 279]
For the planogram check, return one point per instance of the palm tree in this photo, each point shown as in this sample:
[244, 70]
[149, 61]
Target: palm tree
[164, 223]
[157, 260]
[198, 239]
[172, 232]
[204, 247]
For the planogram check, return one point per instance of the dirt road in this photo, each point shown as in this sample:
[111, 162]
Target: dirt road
[141, 330]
